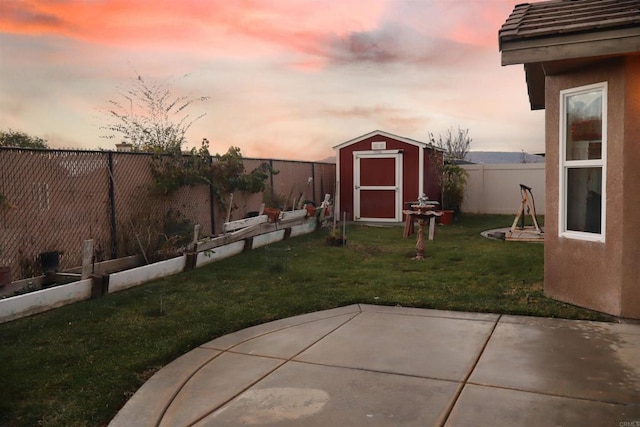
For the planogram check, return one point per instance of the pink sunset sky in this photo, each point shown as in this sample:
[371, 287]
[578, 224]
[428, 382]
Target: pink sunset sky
[286, 79]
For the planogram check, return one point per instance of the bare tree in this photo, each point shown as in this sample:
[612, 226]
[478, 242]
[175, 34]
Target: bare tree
[452, 177]
[149, 117]
[455, 144]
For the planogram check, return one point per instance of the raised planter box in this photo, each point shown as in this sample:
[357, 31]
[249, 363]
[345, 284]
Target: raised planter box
[221, 252]
[267, 239]
[46, 299]
[136, 276]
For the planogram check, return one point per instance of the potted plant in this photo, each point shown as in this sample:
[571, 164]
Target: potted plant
[449, 148]
[453, 182]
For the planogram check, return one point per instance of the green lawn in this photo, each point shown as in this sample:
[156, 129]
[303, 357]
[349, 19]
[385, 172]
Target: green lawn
[77, 365]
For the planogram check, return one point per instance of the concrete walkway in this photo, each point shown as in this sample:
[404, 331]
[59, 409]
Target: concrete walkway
[365, 365]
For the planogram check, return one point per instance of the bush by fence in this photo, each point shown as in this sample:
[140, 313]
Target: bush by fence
[53, 200]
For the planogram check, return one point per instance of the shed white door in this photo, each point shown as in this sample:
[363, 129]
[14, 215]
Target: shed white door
[377, 186]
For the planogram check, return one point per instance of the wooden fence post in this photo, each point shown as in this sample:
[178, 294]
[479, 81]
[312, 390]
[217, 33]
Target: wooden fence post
[87, 259]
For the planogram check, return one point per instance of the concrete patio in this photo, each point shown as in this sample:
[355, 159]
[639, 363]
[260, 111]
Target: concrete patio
[365, 365]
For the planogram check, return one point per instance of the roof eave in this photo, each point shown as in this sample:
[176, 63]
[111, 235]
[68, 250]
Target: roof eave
[570, 46]
[534, 74]
[535, 53]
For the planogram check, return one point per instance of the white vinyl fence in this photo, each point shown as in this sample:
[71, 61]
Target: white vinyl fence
[495, 188]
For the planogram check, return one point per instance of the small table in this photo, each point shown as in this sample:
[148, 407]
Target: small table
[420, 213]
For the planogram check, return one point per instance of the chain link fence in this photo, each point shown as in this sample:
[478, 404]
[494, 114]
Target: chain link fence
[53, 200]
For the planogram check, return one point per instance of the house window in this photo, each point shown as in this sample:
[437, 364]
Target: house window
[583, 130]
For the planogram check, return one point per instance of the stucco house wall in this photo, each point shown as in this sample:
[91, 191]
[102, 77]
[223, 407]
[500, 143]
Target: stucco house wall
[630, 294]
[600, 275]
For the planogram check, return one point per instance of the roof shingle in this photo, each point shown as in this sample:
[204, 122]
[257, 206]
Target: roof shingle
[552, 18]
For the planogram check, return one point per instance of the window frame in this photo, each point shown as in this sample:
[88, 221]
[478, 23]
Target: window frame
[565, 165]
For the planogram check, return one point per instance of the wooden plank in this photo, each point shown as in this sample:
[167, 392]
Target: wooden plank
[526, 235]
[230, 237]
[246, 233]
[111, 265]
[87, 259]
[75, 275]
[230, 206]
[196, 235]
[290, 215]
[242, 223]
[525, 239]
[293, 222]
[432, 227]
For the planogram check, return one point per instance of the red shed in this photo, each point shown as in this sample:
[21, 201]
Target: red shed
[379, 173]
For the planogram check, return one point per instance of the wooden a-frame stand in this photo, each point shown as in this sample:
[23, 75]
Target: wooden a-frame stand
[531, 233]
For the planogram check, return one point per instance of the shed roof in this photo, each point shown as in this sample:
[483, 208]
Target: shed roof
[387, 135]
[549, 36]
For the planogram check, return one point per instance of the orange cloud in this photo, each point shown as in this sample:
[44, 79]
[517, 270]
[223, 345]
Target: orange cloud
[294, 24]
[476, 22]
[386, 117]
[109, 22]
[310, 33]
